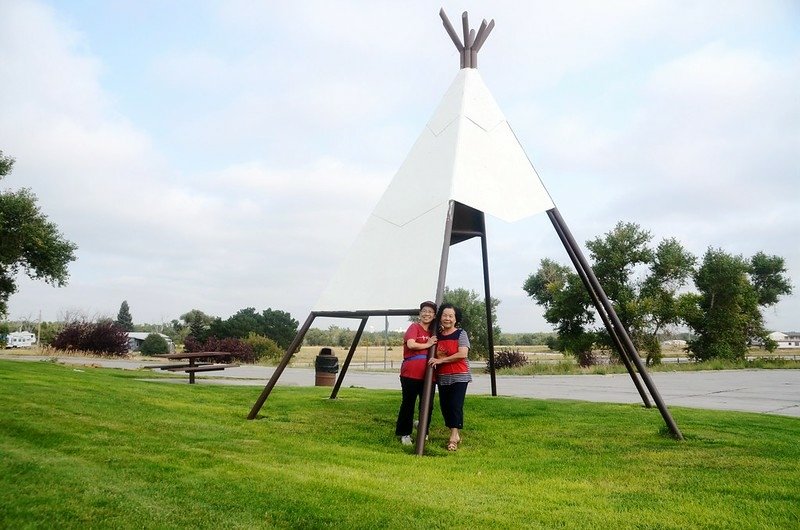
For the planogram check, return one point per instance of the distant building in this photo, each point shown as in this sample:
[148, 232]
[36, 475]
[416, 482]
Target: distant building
[674, 343]
[789, 339]
[20, 339]
[136, 338]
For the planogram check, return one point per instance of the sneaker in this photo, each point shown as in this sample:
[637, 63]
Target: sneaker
[405, 440]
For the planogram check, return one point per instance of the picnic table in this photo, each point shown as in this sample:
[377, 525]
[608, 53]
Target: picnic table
[192, 362]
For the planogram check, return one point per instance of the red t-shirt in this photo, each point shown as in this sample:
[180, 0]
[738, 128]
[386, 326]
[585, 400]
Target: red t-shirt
[414, 360]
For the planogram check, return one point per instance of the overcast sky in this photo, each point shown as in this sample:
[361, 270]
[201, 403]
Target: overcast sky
[222, 155]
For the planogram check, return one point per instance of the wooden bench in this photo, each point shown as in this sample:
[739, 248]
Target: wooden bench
[171, 366]
[202, 368]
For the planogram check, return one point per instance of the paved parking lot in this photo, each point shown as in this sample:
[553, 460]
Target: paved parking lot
[764, 391]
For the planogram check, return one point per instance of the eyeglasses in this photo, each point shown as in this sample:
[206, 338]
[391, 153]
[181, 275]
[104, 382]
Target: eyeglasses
[427, 312]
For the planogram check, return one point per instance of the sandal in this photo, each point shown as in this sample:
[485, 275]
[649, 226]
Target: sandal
[452, 445]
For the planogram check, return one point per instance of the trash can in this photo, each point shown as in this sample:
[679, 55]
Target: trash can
[327, 366]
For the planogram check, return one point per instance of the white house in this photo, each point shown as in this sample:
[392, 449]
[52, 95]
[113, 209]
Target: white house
[136, 338]
[20, 339]
[790, 339]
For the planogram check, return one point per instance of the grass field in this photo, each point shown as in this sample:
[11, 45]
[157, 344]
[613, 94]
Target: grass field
[97, 448]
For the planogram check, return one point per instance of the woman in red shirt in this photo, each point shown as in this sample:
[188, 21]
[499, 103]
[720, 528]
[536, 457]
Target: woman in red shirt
[418, 338]
[452, 370]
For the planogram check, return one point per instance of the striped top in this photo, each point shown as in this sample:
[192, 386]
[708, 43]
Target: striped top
[457, 372]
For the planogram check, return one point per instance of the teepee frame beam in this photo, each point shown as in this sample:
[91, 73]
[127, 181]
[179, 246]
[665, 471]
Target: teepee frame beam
[471, 45]
[624, 354]
[298, 340]
[488, 304]
[427, 385]
[556, 218]
[346, 364]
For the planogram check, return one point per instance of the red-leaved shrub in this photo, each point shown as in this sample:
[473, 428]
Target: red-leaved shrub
[104, 337]
[240, 351]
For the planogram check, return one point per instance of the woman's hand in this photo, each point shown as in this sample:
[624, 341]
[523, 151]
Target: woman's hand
[432, 341]
[433, 361]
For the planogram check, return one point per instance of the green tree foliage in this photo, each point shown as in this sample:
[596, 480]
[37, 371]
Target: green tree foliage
[725, 314]
[473, 311]
[198, 323]
[275, 324]
[29, 243]
[154, 344]
[4, 331]
[768, 274]
[124, 318]
[567, 305]
[345, 338]
[279, 326]
[641, 282]
[264, 348]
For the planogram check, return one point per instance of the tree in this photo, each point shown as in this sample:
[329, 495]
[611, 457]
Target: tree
[567, 305]
[768, 276]
[473, 318]
[198, 323]
[279, 326]
[124, 318]
[28, 241]
[264, 348]
[154, 344]
[725, 315]
[272, 323]
[641, 282]
[670, 270]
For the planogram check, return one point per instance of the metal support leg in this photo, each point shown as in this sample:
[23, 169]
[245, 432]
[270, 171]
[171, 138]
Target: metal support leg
[427, 385]
[350, 354]
[624, 354]
[298, 339]
[489, 323]
[673, 427]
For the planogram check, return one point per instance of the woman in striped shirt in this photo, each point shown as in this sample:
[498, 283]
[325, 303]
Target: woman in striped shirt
[452, 370]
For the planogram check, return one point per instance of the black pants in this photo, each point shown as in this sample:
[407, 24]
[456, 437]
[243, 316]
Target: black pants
[412, 390]
[451, 400]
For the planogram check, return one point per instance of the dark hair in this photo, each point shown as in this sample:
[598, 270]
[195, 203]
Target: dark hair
[427, 303]
[444, 306]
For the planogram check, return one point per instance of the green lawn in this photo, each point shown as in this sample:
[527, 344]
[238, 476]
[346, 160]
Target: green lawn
[97, 448]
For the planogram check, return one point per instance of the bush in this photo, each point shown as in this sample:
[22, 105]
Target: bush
[154, 344]
[104, 337]
[239, 350]
[508, 359]
[264, 348]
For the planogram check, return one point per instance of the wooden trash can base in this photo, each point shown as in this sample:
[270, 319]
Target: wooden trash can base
[324, 379]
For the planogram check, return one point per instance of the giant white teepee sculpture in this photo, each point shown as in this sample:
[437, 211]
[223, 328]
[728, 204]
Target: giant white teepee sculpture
[467, 162]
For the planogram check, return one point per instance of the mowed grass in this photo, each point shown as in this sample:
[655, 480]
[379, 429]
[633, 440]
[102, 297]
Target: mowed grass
[84, 447]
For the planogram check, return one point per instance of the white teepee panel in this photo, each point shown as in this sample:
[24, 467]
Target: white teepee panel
[492, 172]
[494, 175]
[467, 153]
[423, 181]
[389, 266]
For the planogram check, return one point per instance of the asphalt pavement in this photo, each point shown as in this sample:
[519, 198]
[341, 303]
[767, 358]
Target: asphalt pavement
[763, 391]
